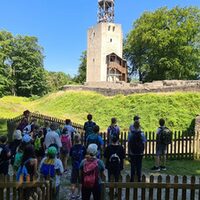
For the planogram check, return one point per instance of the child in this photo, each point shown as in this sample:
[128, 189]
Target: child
[113, 130]
[96, 139]
[114, 155]
[51, 166]
[66, 146]
[77, 154]
[90, 169]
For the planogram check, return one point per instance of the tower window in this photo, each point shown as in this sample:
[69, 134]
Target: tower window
[113, 28]
[110, 39]
[93, 34]
[93, 59]
[108, 28]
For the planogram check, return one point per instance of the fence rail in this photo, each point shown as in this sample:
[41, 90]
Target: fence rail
[35, 190]
[184, 145]
[151, 188]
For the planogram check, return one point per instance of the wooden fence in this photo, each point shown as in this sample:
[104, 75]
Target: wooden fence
[153, 188]
[13, 190]
[12, 123]
[184, 145]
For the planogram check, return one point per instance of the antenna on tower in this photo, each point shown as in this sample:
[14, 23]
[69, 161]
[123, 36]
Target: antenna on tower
[106, 11]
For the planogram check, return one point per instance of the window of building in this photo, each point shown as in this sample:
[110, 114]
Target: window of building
[113, 28]
[108, 28]
[93, 34]
[110, 39]
[93, 59]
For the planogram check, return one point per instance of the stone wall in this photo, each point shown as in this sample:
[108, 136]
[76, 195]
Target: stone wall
[111, 89]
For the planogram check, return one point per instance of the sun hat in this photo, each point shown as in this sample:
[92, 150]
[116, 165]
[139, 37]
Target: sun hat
[26, 138]
[17, 135]
[92, 149]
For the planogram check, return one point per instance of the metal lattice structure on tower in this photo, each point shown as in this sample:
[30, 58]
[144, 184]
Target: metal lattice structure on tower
[106, 11]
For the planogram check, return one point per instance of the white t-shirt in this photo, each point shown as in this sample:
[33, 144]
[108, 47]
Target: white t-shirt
[52, 138]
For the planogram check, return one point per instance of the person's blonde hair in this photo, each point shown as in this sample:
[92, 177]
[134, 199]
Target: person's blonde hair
[77, 138]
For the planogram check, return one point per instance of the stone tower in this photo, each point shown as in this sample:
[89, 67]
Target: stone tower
[104, 47]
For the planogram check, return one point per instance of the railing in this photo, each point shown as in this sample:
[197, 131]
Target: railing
[152, 188]
[35, 190]
[12, 123]
[183, 146]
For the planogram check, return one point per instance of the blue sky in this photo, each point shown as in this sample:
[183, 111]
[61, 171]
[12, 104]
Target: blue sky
[61, 25]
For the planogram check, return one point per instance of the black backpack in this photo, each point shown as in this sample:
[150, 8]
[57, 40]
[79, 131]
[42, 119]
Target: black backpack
[136, 143]
[114, 161]
[89, 127]
[165, 136]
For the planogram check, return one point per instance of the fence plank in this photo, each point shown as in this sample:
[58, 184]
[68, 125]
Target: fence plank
[127, 189]
[143, 189]
[184, 181]
[175, 189]
[159, 190]
[192, 193]
[167, 190]
[151, 189]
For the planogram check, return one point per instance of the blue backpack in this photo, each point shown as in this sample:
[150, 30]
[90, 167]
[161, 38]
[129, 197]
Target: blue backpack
[48, 168]
[89, 128]
[93, 139]
[22, 172]
[77, 155]
[113, 132]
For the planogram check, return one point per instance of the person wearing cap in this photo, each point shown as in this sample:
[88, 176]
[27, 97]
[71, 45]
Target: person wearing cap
[52, 159]
[98, 165]
[132, 128]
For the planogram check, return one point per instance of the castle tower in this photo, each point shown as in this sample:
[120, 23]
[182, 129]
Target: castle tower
[104, 47]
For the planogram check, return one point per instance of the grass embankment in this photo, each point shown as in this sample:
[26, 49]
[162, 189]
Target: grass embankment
[179, 109]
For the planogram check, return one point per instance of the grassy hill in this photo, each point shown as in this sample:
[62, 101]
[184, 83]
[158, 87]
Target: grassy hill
[179, 109]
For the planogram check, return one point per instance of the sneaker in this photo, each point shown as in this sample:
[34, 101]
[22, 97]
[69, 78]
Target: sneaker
[73, 197]
[163, 168]
[78, 197]
[156, 169]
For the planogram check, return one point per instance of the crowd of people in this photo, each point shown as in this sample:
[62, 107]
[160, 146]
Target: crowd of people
[44, 151]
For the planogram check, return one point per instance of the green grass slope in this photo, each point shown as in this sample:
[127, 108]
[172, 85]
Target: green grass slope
[179, 109]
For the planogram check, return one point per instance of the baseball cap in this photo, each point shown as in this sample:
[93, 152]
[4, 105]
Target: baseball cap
[26, 138]
[17, 135]
[52, 151]
[92, 149]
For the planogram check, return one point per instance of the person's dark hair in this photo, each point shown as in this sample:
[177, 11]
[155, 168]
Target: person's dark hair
[113, 120]
[64, 131]
[3, 139]
[29, 152]
[26, 112]
[67, 121]
[136, 118]
[161, 122]
[136, 125]
[54, 126]
[96, 128]
[89, 117]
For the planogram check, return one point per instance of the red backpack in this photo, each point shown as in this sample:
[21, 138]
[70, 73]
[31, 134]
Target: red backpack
[90, 173]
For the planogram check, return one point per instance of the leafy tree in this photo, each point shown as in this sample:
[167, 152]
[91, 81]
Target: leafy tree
[165, 44]
[81, 76]
[56, 80]
[21, 66]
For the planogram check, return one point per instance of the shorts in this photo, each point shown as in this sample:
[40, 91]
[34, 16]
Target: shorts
[75, 178]
[161, 149]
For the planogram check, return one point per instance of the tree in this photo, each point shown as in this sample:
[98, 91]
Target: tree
[165, 44]
[21, 66]
[56, 80]
[81, 76]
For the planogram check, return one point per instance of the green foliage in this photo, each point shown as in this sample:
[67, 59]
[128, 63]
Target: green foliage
[179, 109]
[21, 66]
[56, 80]
[81, 76]
[165, 44]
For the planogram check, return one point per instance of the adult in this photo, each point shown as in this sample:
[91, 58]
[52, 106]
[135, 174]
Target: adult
[113, 130]
[52, 137]
[135, 118]
[91, 169]
[161, 148]
[136, 143]
[88, 126]
[24, 121]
